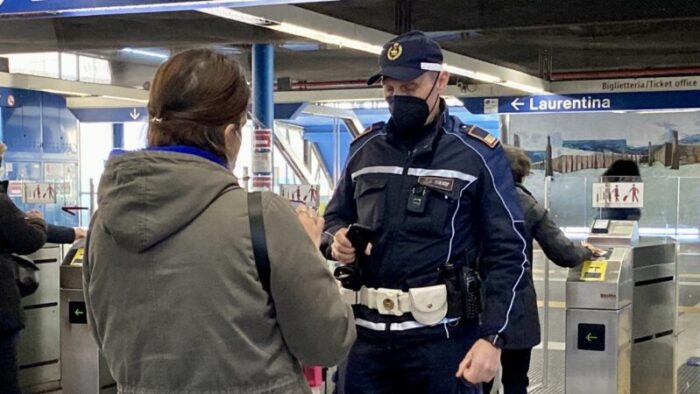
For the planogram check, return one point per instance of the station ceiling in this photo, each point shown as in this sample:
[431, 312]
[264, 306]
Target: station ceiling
[554, 40]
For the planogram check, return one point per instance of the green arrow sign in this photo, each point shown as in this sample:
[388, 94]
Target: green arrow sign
[590, 337]
[78, 312]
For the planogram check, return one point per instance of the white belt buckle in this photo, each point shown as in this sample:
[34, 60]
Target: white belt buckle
[387, 301]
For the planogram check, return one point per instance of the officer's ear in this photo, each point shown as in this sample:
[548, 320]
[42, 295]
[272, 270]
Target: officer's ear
[443, 80]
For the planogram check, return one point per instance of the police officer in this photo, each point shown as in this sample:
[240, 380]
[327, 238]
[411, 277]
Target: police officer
[437, 194]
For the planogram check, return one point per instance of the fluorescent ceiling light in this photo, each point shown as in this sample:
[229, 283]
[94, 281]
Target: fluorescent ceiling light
[478, 75]
[66, 92]
[242, 17]
[523, 87]
[145, 53]
[487, 77]
[326, 38]
[295, 30]
[460, 71]
[136, 100]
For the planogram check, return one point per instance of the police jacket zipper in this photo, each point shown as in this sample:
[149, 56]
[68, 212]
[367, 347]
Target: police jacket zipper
[395, 225]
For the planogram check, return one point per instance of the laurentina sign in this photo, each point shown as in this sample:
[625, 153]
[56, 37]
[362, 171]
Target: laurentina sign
[583, 102]
[546, 104]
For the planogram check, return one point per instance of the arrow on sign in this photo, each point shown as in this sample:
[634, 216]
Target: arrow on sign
[78, 312]
[69, 210]
[134, 115]
[590, 337]
[516, 104]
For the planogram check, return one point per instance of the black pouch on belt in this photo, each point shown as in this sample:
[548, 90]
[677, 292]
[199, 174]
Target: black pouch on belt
[350, 276]
[471, 293]
[450, 277]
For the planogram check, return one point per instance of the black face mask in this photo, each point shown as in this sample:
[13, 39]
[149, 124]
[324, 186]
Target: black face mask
[410, 113]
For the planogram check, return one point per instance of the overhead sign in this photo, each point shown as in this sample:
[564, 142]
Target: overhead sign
[8, 97]
[618, 195]
[593, 102]
[628, 85]
[39, 193]
[309, 195]
[72, 8]
[262, 159]
[113, 115]
[15, 189]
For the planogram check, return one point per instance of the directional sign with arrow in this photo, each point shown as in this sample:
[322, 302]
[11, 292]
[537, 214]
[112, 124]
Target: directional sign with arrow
[76, 312]
[70, 209]
[582, 102]
[591, 337]
[517, 104]
[134, 114]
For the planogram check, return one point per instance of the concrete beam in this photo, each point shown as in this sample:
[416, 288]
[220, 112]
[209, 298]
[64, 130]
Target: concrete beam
[72, 88]
[296, 16]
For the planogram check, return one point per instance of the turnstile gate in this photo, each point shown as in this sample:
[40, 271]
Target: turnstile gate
[621, 315]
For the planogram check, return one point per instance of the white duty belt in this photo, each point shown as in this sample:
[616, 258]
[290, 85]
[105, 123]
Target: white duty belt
[428, 305]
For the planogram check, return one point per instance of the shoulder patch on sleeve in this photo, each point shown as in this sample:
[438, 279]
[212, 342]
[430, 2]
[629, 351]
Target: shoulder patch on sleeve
[370, 130]
[481, 135]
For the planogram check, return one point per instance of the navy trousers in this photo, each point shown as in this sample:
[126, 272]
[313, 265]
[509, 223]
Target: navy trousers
[416, 361]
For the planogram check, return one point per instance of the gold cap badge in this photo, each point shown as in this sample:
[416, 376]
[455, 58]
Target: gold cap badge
[394, 52]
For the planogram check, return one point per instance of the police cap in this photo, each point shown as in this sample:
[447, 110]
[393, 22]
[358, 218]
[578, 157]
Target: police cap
[407, 56]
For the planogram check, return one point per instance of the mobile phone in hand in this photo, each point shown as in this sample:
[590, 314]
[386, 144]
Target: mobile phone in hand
[359, 237]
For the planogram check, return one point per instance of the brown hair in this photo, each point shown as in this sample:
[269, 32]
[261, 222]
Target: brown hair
[194, 96]
[519, 163]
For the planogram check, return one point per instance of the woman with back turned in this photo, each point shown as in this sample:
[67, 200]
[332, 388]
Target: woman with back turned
[172, 290]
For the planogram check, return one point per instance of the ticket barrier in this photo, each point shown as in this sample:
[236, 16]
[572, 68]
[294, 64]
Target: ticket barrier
[621, 315]
[39, 346]
[83, 369]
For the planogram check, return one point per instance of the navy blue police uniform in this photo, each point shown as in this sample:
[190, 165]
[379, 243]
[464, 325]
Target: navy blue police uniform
[468, 211]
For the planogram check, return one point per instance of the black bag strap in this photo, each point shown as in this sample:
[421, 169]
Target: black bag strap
[257, 235]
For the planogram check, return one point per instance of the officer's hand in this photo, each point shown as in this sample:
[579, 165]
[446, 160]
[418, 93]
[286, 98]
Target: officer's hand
[341, 248]
[313, 225]
[481, 363]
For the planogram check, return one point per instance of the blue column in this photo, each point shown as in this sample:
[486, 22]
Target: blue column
[117, 135]
[263, 83]
[264, 111]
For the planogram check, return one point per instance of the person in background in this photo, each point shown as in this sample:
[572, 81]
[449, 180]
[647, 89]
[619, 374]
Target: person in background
[20, 233]
[64, 235]
[621, 171]
[173, 296]
[515, 358]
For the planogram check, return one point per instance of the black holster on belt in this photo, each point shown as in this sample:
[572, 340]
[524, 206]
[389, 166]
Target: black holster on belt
[471, 293]
[350, 276]
[463, 291]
